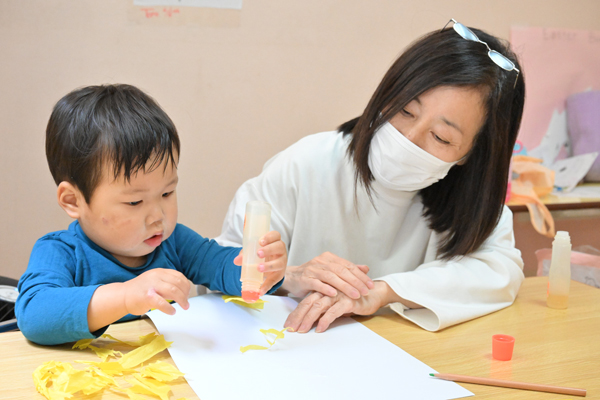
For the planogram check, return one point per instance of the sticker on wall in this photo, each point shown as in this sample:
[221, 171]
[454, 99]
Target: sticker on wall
[233, 4]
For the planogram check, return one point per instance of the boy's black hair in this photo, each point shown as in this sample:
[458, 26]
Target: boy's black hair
[115, 125]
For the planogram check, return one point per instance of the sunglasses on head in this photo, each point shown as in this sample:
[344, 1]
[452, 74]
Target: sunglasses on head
[499, 59]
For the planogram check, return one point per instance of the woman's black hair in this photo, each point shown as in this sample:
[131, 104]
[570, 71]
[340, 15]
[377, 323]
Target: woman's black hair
[466, 205]
[115, 125]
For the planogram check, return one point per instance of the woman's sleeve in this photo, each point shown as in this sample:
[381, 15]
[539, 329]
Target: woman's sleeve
[276, 185]
[51, 308]
[463, 288]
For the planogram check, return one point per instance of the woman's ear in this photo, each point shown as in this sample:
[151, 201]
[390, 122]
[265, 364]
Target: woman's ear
[70, 199]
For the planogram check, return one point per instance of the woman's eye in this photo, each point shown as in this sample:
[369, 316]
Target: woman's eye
[134, 203]
[406, 112]
[168, 193]
[439, 139]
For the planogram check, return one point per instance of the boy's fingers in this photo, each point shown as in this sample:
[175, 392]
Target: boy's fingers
[159, 303]
[276, 249]
[238, 259]
[269, 282]
[177, 291]
[271, 266]
[269, 237]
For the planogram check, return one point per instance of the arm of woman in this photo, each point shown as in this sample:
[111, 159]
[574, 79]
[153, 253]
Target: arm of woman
[463, 288]
[437, 294]
[324, 309]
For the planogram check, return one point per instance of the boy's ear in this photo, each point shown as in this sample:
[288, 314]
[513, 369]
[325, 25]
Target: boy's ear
[70, 199]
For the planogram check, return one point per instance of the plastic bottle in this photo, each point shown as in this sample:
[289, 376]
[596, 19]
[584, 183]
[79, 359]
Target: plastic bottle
[256, 223]
[560, 271]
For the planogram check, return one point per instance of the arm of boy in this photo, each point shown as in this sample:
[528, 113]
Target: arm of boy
[274, 252]
[150, 290]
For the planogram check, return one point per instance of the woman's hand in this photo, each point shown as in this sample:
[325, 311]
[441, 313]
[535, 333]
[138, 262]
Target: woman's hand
[327, 309]
[328, 274]
[274, 252]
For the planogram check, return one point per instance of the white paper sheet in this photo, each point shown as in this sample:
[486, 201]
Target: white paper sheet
[553, 141]
[570, 171]
[348, 361]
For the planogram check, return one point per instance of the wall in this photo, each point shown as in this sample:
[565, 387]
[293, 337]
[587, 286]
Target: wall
[240, 85]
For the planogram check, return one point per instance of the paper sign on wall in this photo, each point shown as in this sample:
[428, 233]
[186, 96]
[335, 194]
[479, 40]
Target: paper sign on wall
[556, 64]
[233, 4]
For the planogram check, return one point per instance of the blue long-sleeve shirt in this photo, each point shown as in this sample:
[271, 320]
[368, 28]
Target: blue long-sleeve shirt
[66, 267]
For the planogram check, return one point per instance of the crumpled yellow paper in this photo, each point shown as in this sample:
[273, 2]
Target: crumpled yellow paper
[266, 332]
[100, 352]
[257, 305]
[59, 381]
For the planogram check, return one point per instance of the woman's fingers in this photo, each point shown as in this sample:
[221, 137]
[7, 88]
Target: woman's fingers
[338, 277]
[296, 317]
[334, 312]
[318, 308]
[348, 271]
[315, 285]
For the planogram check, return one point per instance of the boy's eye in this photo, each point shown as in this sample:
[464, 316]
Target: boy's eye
[168, 193]
[134, 203]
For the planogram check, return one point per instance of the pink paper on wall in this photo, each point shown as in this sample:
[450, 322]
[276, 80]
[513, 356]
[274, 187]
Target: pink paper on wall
[557, 63]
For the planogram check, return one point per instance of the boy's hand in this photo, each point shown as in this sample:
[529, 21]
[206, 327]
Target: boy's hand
[153, 288]
[274, 252]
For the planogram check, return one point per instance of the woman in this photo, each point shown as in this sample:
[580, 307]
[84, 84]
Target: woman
[410, 192]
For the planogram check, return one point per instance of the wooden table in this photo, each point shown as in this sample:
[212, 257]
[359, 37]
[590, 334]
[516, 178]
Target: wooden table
[558, 347]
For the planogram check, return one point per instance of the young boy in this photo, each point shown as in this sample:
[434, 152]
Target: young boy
[113, 153]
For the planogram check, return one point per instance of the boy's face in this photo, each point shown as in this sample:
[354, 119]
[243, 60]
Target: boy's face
[130, 219]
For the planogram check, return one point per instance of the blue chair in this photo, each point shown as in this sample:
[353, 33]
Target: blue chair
[8, 295]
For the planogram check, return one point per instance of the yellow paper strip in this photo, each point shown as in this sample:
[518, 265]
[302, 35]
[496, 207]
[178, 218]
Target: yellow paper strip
[161, 371]
[144, 353]
[59, 381]
[140, 342]
[278, 335]
[149, 386]
[111, 368]
[100, 352]
[244, 349]
[257, 305]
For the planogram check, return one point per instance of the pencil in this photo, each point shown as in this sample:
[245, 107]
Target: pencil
[511, 384]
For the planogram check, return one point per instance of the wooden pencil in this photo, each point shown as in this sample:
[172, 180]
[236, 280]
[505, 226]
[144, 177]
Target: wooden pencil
[511, 384]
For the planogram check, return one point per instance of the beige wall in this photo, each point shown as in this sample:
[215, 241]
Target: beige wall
[240, 85]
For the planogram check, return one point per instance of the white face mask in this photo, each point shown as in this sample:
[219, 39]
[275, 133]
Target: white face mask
[399, 164]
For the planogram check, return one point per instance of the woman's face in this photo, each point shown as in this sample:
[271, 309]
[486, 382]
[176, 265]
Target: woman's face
[443, 121]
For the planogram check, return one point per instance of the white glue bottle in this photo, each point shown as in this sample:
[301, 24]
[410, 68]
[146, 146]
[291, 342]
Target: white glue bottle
[256, 224]
[560, 271]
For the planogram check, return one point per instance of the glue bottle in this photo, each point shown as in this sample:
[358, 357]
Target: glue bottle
[560, 271]
[256, 224]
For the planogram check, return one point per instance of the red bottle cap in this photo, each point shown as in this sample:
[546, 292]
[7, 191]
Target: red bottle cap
[250, 296]
[502, 347]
